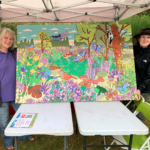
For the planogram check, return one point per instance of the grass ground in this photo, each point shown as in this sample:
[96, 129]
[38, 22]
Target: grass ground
[75, 141]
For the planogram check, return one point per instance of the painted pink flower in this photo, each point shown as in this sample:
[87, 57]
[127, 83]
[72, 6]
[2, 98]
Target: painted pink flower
[21, 86]
[56, 92]
[76, 98]
[129, 95]
[29, 101]
[117, 98]
[17, 81]
[39, 101]
[88, 93]
[44, 60]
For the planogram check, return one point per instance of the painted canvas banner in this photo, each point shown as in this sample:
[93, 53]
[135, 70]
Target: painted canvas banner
[63, 63]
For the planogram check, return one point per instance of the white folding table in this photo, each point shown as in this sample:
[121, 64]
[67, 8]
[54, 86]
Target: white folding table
[53, 119]
[107, 118]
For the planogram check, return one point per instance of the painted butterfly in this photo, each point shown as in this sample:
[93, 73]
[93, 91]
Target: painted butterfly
[47, 73]
[96, 47]
[126, 46]
[122, 89]
[80, 57]
[96, 64]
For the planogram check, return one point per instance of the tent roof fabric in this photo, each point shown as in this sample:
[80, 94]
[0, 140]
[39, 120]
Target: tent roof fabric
[70, 11]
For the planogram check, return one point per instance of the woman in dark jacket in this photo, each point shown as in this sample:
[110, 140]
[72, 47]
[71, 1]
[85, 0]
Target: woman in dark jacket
[8, 83]
[142, 65]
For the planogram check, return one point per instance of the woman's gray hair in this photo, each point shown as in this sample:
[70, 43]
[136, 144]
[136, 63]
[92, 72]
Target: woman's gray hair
[2, 34]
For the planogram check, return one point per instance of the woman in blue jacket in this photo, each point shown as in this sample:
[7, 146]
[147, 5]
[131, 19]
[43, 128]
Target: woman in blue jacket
[8, 83]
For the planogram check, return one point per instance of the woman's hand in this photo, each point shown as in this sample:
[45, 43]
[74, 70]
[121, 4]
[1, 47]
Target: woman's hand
[139, 95]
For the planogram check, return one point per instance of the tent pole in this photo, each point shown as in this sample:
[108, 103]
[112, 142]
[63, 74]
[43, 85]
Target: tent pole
[84, 14]
[54, 11]
[73, 5]
[45, 5]
[24, 14]
[119, 3]
[89, 13]
[20, 6]
[126, 10]
[117, 11]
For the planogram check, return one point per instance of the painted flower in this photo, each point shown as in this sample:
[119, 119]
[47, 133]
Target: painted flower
[39, 101]
[70, 82]
[21, 86]
[62, 96]
[32, 71]
[88, 93]
[39, 64]
[22, 69]
[36, 58]
[76, 98]
[29, 101]
[28, 64]
[129, 95]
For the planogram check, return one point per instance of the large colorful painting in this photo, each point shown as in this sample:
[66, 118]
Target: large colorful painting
[63, 63]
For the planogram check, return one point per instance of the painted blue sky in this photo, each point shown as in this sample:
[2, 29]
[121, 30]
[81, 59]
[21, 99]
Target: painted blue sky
[30, 31]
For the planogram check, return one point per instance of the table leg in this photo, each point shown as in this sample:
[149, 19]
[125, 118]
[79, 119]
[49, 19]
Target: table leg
[65, 143]
[84, 143]
[16, 143]
[76, 127]
[130, 142]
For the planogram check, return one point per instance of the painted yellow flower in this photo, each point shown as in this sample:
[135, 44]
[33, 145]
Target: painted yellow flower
[24, 54]
[28, 64]
[36, 58]
[46, 65]
[40, 65]
[32, 70]
[23, 61]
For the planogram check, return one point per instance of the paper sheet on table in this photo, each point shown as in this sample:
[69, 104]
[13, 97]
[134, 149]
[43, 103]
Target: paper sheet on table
[24, 120]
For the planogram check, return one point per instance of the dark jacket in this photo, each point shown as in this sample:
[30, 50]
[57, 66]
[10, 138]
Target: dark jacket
[142, 67]
[14, 54]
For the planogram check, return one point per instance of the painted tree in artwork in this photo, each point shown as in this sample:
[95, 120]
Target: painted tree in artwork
[45, 41]
[118, 36]
[101, 39]
[86, 35]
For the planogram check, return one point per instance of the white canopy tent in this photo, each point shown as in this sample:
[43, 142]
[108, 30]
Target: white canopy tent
[70, 11]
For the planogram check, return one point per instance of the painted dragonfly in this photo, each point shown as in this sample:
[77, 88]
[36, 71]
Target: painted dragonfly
[60, 36]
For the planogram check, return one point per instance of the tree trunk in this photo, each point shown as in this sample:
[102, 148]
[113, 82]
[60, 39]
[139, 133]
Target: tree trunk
[116, 45]
[89, 50]
[42, 46]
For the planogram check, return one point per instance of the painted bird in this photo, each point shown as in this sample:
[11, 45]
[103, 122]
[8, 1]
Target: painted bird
[66, 55]
[29, 47]
[109, 36]
[47, 74]
[65, 75]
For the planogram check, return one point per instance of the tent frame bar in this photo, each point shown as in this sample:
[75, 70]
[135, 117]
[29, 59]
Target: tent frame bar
[24, 14]
[116, 7]
[70, 6]
[121, 3]
[54, 11]
[17, 5]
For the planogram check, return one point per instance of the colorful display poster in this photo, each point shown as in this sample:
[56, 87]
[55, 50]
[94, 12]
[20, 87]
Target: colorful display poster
[64, 63]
